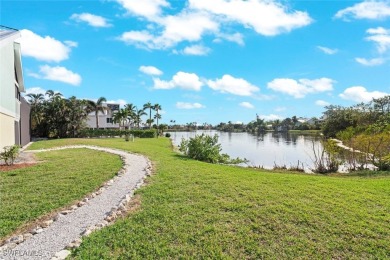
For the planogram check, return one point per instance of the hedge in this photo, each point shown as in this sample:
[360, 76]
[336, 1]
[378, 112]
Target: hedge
[91, 133]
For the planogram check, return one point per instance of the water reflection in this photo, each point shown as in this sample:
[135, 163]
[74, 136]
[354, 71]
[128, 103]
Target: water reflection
[264, 150]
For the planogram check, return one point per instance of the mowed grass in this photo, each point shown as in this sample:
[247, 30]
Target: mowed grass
[61, 178]
[197, 210]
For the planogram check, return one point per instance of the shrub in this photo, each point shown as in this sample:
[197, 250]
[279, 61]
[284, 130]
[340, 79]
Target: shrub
[94, 133]
[167, 135]
[206, 148]
[9, 154]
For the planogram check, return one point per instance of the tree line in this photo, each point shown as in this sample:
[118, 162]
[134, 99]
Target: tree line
[54, 116]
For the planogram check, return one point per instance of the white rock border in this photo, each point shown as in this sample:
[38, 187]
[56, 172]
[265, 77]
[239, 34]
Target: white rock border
[116, 211]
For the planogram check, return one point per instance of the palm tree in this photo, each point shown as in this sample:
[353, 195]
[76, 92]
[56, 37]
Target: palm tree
[120, 117]
[150, 107]
[97, 107]
[138, 115]
[131, 109]
[157, 107]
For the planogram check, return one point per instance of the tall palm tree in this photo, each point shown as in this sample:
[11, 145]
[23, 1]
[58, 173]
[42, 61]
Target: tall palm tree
[157, 107]
[150, 107]
[138, 115]
[97, 107]
[121, 117]
[131, 109]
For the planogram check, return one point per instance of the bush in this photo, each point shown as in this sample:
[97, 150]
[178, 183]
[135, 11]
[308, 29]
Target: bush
[9, 154]
[206, 148]
[94, 133]
[167, 135]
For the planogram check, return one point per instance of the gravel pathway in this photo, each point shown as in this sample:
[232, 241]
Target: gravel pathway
[70, 227]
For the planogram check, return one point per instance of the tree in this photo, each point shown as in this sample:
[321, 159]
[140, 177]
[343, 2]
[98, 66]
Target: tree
[120, 117]
[97, 107]
[137, 117]
[157, 107]
[150, 107]
[131, 110]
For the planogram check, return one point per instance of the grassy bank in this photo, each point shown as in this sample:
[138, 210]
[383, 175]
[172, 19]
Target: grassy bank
[61, 178]
[198, 210]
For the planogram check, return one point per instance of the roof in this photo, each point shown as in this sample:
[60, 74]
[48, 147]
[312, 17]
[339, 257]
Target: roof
[7, 32]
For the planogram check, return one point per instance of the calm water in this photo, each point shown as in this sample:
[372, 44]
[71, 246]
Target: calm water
[263, 150]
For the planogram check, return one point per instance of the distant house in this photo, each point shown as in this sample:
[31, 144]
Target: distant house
[106, 120]
[14, 110]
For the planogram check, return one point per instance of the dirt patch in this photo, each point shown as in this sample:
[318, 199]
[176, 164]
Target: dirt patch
[4, 168]
[24, 160]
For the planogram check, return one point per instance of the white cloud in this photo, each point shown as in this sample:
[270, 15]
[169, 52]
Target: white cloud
[371, 62]
[265, 17]
[270, 117]
[58, 73]
[91, 19]
[280, 109]
[150, 70]
[368, 9]
[186, 26]
[184, 105]
[71, 44]
[199, 18]
[327, 50]
[183, 80]
[235, 86]
[361, 94]
[381, 37]
[35, 90]
[235, 37]
[322, 103]
[196, 50]
[247, 105]
[146, 8]
[302, 87]
[44, 48]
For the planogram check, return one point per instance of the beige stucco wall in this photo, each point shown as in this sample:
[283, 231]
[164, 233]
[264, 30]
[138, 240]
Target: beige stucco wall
[7, 131]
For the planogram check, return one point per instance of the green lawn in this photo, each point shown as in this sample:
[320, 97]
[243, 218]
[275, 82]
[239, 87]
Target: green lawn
[192, 209]
[59, 180]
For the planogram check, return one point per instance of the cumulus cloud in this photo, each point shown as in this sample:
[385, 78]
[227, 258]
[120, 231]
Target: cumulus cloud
[370, 62]
[300, 88]
[361, 94]
[150, 70]
[247, 105]
[373, 10]
[147, 8]
[196, 50]
[186, 26]
[327, 50]
[322, 103]
[91, 19]
[381, 37]
[58, 73]
[201, 17]
[44, 48]
[184, 105]
[183, 80]
[265, 17]
[35, 90]
[232, 85]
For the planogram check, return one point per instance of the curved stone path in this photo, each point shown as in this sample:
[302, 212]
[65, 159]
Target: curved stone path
[93, 212]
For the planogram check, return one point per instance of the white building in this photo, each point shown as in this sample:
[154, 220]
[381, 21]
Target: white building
[105, 119]
[14, 110]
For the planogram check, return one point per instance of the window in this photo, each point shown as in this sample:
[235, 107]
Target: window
[109, 120]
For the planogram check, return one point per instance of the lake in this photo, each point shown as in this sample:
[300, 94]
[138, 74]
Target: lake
[263, 150]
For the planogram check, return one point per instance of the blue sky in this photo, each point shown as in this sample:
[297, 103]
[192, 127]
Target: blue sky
[207, 61]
